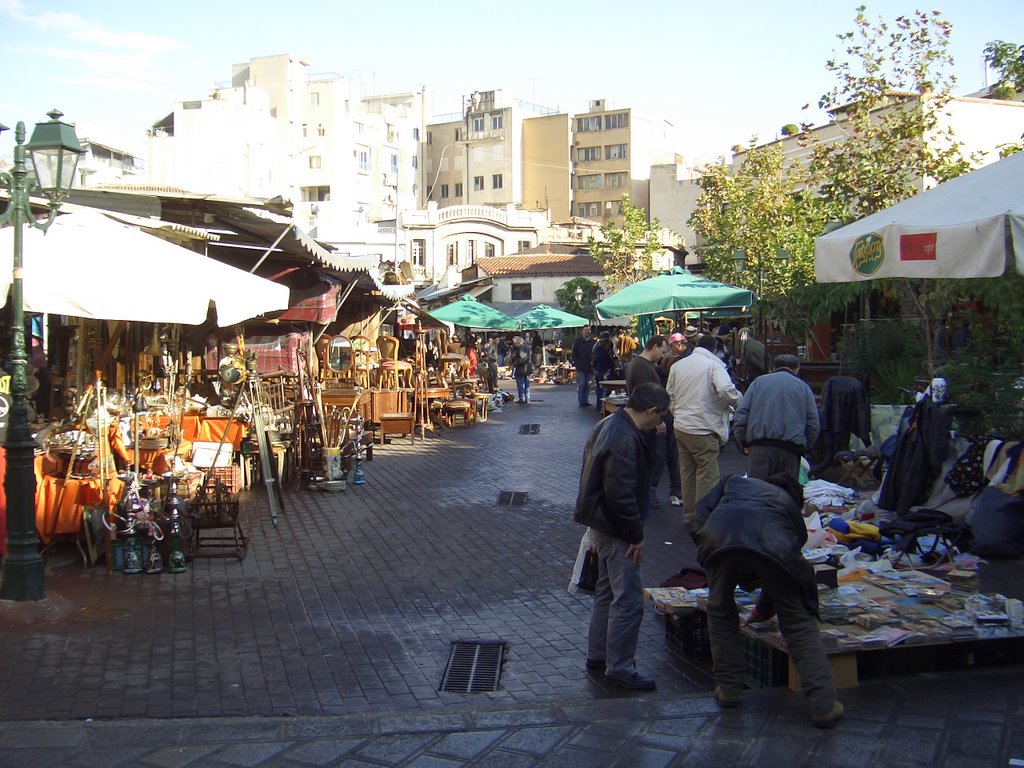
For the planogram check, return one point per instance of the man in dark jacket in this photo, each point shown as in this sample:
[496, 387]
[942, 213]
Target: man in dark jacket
[613, 501]
[646, 367]
[583, 361]
[752, 531]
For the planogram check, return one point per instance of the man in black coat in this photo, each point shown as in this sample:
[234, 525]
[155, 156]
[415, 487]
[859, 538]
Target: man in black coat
[752, 531]
[614, 501]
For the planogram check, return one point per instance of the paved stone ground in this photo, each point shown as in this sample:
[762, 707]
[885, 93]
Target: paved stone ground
[326, 646]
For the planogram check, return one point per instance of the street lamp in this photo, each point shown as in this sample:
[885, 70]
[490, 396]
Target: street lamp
[55, 150]
[596, 297]
[739, 261]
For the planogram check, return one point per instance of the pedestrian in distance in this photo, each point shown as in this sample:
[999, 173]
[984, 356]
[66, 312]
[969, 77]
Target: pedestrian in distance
[613, 501]
[703, 397]
[604, 364]
[522, 367]
[751, 532]
[644, 368]
[777, 420]
[583, 362]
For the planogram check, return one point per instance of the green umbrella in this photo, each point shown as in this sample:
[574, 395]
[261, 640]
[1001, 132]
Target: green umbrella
[470, 313]
[677, 289]
[543, 316]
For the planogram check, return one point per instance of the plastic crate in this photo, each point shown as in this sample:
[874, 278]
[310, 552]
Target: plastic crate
[230, 477]
[686, 632]
[766, 667]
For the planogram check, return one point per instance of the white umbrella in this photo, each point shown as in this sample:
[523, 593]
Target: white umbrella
[88, 265]
[969, 226]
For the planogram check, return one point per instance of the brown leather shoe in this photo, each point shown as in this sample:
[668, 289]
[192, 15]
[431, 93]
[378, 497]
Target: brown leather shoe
[724, 701]
[830, 718]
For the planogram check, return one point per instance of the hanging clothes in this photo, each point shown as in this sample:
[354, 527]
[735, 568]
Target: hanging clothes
[918, 460]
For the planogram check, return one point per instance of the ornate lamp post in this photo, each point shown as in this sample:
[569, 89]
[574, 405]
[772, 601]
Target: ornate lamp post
[739, 261]
[596, 297]
[55, 150]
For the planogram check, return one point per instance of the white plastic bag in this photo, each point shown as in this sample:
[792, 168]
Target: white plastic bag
[584, 570]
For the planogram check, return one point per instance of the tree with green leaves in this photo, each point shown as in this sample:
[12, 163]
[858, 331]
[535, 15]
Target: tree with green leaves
[759, 209]
[1007, 59]
[626, 253]
[891, 88]
[583, 306]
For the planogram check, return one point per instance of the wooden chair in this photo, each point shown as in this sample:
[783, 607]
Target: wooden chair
[387, 348]
[363, 359]
[459, 408]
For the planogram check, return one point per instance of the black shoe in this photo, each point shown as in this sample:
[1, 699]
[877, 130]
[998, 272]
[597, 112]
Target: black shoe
[595, 664]
[584, 405]
[634, 681]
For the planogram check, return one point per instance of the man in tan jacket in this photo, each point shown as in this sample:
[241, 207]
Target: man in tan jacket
[702, 396]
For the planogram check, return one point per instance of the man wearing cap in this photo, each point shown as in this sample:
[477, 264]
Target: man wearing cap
[702, 395]
[777, 420]
[583, 361]
[752, 355]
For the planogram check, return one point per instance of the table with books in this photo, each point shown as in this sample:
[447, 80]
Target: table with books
[895, 622]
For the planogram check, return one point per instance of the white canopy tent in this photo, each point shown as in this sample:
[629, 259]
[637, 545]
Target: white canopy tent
[88, 265]
[970, 226]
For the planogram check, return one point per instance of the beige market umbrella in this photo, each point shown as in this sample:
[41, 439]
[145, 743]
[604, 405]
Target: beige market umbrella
[88, 265]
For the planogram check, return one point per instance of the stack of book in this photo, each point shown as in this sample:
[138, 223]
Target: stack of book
[963, 582]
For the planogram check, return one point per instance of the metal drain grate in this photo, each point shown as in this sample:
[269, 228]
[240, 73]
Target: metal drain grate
[474, 667]
[529, 429]
[512, 498]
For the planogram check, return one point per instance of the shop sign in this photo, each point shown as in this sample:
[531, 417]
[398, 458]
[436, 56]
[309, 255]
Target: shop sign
[867, 254]
[919, 247]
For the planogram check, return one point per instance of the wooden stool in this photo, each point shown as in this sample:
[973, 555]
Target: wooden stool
[398, 424]
[483, 401]
[857, 466]
[463, 408]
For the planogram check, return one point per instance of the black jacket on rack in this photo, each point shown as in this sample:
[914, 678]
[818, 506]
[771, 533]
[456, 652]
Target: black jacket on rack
[918, 459]
[845, 411]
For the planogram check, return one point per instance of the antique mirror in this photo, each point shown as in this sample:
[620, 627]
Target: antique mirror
[338, 357]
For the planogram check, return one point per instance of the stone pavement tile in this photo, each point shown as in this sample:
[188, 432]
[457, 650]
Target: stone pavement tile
[39, 757]
[705, 752]
[466, 745]
[251, 753]
[673, 733]
[432, 761]
[514, 718]
[179, 757]
[843, 750]
[394, 749]
[971, 737]
[636, 756]
[537, 740]
[771, 751]
[912, 746]
[499, 758]
[320, 751]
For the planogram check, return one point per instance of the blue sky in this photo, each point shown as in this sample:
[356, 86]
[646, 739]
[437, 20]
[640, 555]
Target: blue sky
[720, 72]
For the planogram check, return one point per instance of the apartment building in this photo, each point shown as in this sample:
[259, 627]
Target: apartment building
[612, 153]
[499, 151]
[346, 163]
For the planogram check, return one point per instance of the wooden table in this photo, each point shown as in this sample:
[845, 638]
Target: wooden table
[424, 396]
[613, 385]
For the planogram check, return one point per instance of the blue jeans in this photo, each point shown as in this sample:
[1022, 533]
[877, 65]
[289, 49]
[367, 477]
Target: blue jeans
[523, 387]
[583, 379]
[618, 606]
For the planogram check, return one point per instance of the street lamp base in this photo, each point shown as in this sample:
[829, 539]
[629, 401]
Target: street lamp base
[23, 580]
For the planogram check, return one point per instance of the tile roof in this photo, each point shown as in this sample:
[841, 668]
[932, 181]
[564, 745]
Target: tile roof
[576, 261]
